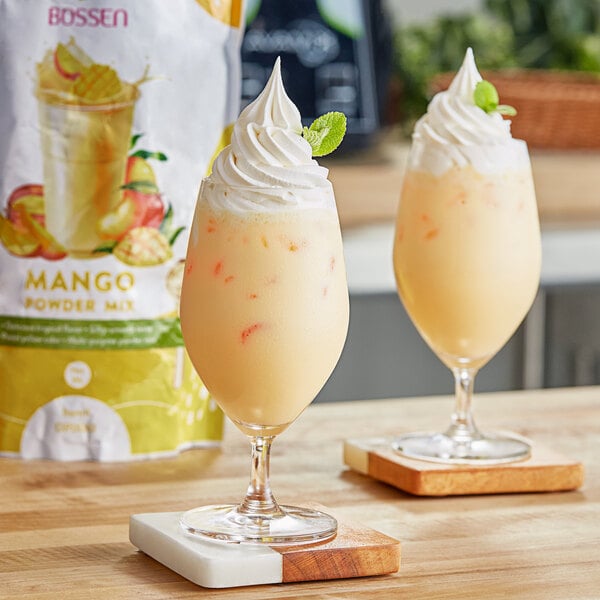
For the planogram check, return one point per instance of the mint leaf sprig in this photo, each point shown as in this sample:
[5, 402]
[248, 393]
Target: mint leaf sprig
[486, 97]
[325, 133]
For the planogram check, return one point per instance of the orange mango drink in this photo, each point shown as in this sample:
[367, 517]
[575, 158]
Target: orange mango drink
[467, 258]
[270, 309]
[467, 252]
[264, 307]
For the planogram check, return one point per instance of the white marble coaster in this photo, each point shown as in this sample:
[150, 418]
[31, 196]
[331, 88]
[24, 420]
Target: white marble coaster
[207, 563]
[356, 551]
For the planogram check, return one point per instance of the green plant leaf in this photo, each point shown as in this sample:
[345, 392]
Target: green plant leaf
[145, 187]
[107, 247]
[145, 154]
[166, 225]
[314, 138]
[506, 109]
[175, 235]
[326, 133]
[486, 97]
[134, 139]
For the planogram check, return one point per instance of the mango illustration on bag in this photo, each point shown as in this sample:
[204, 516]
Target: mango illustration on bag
[95, 201]
[100, 193]
[133, 208]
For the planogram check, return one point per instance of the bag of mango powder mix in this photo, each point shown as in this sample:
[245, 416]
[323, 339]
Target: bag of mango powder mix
[111, 113]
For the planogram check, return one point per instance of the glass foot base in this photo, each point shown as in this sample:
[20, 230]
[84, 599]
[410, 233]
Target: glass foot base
[292, 525]
[486, 450]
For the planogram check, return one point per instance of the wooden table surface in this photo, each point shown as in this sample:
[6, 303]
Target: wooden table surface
[64, 526]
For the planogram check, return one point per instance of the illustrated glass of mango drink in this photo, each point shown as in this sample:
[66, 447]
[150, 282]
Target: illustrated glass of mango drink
[264, 306]
[467, 252]
[85, 115]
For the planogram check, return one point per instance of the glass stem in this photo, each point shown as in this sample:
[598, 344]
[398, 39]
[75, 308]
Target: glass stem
[463, 428]
[259, 499]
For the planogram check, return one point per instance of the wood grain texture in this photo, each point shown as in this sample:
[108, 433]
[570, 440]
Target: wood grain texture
[64, 527]
[356, 551]
[545, 471]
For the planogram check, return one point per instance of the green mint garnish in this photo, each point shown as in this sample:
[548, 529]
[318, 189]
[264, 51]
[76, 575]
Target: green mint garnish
[506, 109]
[486, 97]
[325, 133]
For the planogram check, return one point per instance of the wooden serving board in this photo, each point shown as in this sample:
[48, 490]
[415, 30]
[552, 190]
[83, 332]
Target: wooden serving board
[545, 471]
[356, 551]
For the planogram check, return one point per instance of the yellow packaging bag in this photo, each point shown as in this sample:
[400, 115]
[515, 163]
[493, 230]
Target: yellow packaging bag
[111, 114]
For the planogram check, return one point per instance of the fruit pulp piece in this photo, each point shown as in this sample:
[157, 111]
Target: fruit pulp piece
[246, 333]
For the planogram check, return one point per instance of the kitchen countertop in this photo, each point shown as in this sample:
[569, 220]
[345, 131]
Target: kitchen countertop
[64, 526]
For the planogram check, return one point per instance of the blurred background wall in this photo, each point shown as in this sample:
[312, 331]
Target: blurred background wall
[379, 61]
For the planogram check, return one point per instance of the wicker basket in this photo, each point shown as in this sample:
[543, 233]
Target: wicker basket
[555, 110]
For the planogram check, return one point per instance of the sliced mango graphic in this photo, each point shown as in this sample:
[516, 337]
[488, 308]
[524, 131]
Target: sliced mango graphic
[49, 248]
[116, 223]
[143, 247]
[96, 84]
[139, 169]
[66, 63]
[17, 242]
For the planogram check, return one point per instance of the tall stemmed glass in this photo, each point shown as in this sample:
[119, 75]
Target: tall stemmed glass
[467, 258]
[264, 314]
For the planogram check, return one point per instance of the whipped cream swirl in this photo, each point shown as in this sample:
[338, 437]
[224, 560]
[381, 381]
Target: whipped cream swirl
[457, 132]
[267, 151]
